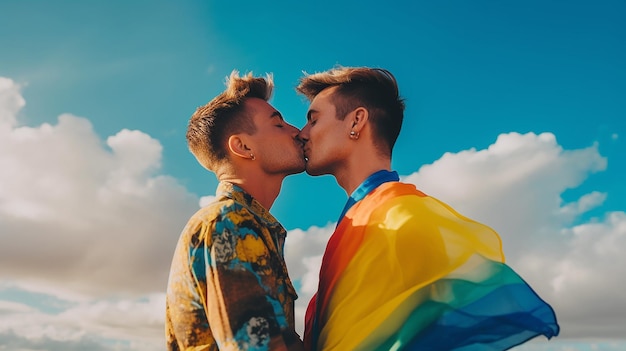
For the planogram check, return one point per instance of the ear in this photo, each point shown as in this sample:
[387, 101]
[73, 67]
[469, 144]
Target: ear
[237, 146]
[359, 117]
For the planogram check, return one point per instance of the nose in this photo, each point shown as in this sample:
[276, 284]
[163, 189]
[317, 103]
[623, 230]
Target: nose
[296, 134]
[293, 130]
[300, 140]
[304, 135]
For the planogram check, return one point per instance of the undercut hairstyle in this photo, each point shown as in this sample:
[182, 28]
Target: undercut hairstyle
[212, 124]
[375, 89]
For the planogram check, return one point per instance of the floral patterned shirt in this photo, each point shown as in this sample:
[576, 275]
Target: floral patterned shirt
[228, 287]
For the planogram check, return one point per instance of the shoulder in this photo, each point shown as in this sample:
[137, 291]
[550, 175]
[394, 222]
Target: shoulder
[206, 218]
[225, 215]
[215, 210]
[392, 196]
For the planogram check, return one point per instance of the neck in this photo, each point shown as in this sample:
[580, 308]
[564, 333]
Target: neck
[263, 188]
[357, 169]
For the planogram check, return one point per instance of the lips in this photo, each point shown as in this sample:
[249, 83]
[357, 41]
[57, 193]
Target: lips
[305, 153]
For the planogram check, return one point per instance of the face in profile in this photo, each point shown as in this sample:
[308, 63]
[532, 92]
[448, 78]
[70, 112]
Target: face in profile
[276, 144]
[325, 136]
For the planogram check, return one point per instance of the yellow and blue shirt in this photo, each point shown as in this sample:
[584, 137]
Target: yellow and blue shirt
[229, 287]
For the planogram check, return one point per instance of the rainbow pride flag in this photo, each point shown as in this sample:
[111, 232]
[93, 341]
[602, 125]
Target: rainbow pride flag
[405, 271]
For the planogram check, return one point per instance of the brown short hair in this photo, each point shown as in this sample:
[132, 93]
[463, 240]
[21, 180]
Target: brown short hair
[212, 124]
[375, 89]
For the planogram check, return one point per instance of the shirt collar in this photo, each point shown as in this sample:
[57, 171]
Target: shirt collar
[370, 183]
[238, 194]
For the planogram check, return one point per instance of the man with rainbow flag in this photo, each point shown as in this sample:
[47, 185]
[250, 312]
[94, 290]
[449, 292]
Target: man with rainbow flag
[403, 270]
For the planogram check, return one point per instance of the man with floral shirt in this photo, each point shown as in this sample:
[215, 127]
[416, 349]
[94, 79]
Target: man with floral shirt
[229, 288]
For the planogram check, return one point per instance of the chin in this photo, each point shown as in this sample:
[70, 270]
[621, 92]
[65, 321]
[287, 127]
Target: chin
[297, 169]
[312, 171]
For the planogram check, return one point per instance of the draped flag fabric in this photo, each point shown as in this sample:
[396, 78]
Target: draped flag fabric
[404, 271]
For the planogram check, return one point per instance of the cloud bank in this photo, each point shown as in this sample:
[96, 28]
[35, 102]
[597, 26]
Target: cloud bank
[89, 222]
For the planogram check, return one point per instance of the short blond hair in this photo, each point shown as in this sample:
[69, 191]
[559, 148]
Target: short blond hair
[212, 124]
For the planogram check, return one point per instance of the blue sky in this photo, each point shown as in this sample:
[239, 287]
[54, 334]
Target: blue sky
[516, 115]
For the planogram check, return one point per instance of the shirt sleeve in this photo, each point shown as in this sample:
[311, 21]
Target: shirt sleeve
[244, 288]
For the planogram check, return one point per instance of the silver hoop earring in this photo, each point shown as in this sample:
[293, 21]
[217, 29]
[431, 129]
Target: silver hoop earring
[252, 157]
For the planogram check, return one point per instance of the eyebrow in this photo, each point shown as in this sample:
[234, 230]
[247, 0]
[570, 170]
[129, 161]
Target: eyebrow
[277, 114]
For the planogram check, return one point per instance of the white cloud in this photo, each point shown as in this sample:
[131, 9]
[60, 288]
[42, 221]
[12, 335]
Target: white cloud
[11, 101]
[89, 222]
[584, 204]
[125, 319]
[303, 254]
[515, 186]
[588, 284]
[76, 214]
[100, 324]
[205, 200]
[9, 307]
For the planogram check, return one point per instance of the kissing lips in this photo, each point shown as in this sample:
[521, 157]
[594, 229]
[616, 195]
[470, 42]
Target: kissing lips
[306, 157]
